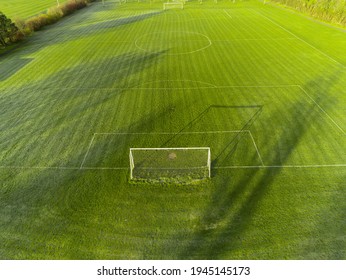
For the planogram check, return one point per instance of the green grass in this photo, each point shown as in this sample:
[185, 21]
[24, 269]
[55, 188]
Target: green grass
[266, 84]
[24, 9]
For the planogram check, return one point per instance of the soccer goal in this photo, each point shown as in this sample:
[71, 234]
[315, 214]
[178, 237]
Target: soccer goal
[173, 5]
[169, 164]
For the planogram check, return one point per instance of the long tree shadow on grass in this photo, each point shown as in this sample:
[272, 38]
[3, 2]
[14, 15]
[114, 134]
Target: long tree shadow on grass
[233, 203]
[10, 67]
[95, 28]
[77, 26]
[38, 110]
[331, 227]
[62, 33]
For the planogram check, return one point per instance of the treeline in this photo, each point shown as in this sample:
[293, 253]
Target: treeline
[11, 32]
[333, 11]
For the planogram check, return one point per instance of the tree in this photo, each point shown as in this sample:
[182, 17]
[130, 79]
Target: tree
[7, 30]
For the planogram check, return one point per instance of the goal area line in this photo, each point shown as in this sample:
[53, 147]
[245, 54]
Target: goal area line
[280, 166]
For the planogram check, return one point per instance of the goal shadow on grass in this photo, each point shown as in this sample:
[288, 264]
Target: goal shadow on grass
[231, 145]
[258, 109]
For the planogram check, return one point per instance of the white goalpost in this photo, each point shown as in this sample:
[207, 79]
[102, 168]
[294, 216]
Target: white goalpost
[173, 5]
[170, 164]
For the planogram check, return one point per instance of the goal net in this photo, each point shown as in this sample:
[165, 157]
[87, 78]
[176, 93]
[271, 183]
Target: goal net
[173, 5]
[169, 164]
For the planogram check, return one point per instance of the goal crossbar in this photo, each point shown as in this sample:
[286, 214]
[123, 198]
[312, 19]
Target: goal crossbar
[187, 148]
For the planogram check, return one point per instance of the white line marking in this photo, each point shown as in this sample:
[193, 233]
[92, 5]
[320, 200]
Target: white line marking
[126, 168]
[254, 39]
[280, 166]
[215, 87]
[302, 40]
[193, 81]
[173, 168]
[134, 87]
[163, 133]
[38, 167]
[330, 118]
[63, 167]
[86, 154]
[105, 168]
[180, 32]
[259, 86]
[258, 153]
[228, 13]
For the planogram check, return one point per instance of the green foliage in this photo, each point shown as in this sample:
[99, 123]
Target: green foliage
[55, 13]
[329, 10]
[23, 29]
[72, 5]
[8, 30]
[37, 22]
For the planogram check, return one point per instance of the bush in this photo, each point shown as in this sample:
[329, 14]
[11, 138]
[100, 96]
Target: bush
[55, 13]
[23, 29]
[72, 5]
[18, 36]
[35, 23]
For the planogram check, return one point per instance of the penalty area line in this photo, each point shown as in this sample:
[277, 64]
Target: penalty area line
[63, 168]
[219, 167]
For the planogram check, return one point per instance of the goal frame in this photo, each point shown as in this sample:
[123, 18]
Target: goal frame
[180, 4]
[132, 164]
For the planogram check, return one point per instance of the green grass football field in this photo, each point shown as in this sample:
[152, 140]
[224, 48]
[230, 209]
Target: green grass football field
[262, 86]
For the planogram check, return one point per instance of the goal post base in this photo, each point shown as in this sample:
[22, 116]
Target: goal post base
[169, 181]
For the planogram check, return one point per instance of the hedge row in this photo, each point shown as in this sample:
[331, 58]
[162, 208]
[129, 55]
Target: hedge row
[51, 16]
[333, 11]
